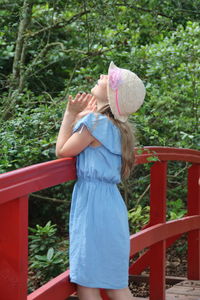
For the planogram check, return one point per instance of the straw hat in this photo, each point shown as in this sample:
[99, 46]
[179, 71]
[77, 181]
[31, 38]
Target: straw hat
[126, 92]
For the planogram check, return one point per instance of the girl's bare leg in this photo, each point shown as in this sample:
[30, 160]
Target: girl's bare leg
[121, 294]
[86, 293]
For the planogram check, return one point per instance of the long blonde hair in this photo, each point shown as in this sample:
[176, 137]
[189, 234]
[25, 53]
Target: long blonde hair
[128, 141]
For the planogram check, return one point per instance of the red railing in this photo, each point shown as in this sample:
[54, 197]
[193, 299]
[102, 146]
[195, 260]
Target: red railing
[15, 186]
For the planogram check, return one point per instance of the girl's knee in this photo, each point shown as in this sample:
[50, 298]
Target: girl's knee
[110, 293]
[86, 293]
[119, 294]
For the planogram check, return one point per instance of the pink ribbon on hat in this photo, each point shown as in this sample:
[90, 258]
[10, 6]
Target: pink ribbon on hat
[114, 81]
[117, 101]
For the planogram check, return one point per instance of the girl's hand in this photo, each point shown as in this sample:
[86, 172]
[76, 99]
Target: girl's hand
[77, 105]
[91, 107]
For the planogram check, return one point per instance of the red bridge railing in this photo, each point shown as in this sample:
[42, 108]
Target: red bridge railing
[15, 186]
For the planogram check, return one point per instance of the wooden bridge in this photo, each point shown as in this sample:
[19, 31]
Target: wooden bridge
[155, 238]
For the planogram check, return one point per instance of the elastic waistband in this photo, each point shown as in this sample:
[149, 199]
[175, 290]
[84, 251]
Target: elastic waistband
[95, 180]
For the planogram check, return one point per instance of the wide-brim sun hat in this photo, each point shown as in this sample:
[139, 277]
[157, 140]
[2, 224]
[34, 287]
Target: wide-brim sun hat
[126, 92]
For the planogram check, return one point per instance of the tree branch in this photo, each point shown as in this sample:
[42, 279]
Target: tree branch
[47, 198]
[155, 12]
[143, 9]
[48, 46]
[58, 24]
[143, 194]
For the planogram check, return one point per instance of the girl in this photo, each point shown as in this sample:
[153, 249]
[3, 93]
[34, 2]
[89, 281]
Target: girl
[103, 143]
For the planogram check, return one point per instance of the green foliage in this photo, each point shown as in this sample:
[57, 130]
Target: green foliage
[30, 136]
[48, 255]
[182, 247]
[48, 261]
[52, 204]
[170, 114]
[138, 217]
[42, 238]
[105, 29]
[176, 209]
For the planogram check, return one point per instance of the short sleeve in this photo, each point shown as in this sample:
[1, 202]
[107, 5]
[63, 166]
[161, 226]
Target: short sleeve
[103, 130]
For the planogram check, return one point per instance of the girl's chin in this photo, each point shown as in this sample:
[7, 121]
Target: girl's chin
[93, 90]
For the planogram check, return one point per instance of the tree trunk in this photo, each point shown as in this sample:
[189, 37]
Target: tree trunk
[20, 50]
[17, 78]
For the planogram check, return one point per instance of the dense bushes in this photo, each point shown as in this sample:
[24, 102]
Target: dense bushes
[169, 117]
[48, 255]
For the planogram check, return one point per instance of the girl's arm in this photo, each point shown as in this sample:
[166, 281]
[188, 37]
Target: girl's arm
[68, 144]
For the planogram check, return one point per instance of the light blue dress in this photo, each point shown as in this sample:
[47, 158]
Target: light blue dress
[99, 230]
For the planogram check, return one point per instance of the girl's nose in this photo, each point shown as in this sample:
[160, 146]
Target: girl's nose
[102, 76]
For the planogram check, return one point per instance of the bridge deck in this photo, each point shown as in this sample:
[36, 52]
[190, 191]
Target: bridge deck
[186, 290]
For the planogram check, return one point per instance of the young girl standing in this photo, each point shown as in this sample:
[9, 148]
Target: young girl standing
[103, 143]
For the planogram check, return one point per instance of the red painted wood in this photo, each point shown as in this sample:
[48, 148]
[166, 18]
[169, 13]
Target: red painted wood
[14, 249]
[158, 193]
[143, 262]
[167, 153]
[158, 215]
[157, 271]
[35, 178]
[104, 295]
[194, 209]
[58, 288]
[157, 233]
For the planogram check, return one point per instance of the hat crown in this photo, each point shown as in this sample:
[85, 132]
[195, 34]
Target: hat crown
[126, 92]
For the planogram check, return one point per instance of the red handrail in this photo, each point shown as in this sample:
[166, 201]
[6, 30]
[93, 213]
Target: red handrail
[16, 185]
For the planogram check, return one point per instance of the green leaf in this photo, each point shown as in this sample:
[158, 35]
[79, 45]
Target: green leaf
[50, 254]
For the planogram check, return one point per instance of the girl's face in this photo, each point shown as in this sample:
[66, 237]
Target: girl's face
[99, 91]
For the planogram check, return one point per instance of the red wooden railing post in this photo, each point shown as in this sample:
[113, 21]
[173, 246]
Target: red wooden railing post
[14, 249]
[194, 209]
[158, 215]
